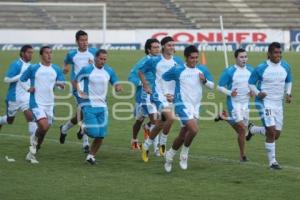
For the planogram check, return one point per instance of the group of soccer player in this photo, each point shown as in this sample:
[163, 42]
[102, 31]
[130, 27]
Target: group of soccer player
[165, 84]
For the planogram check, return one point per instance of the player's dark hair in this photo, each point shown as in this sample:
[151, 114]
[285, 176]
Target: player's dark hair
[189, 50]
[43, 48]
[25, 48]
[238, 51]
[148, 44]
[100, 51]
[274, 45]
[80, 33]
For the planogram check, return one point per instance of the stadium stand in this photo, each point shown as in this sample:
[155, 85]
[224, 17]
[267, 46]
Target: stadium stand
[242, 13]
[147, 14]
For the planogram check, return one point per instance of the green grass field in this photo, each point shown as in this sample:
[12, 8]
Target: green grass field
[214, 170]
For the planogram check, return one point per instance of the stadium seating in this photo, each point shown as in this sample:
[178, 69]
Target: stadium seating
[158, 14]
[241, 13]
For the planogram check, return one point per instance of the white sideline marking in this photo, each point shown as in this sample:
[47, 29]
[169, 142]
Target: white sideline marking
[199, 157]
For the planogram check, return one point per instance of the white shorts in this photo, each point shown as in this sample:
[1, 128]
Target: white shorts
[139, 113]
[43, 112]
[240, 113]
[273, 116]
[14, 106]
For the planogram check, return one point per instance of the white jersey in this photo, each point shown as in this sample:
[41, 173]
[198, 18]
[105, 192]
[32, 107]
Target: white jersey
[271, 79]
[43, 79]
[78, 60]
[236, 78]
[95, 83]
[158, 66]
[189, 88]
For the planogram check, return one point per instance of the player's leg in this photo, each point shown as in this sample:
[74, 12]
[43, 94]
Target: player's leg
[97, 142]
[37, 139]
[239, 117]
[150, 110]
[153, 133]
[73, 121]
[168, 118]
[177, 143]
[271, 132]
[239, 128]
[139, 119]
[11, 111]
[184, 140]
[69, 124]
[32, 126]
[95, 122]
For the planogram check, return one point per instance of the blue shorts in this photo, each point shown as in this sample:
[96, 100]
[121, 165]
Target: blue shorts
[185, 113]
[160, 102]
[147, 106]
[95, 121]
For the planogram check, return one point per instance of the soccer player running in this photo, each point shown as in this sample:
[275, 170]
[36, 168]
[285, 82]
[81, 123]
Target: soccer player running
[17, 99]
[271, 81]
[96, 78]
[143, 106]
[190, 79]
[77, 58]
[162, 94]
[234, 84]
[43, 77]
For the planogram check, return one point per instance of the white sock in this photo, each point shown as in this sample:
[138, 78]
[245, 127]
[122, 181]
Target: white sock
[270, 147]
[147, 144]
[163, 139]
[32, 126]
[67, 126]
[258, 130]
[172, 152]
[33, 140]
[85, 139]
[3, 120]
[184, 150]
[156, 142]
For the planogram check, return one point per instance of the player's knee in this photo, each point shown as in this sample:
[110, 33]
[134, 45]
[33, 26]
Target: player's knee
[193, 130]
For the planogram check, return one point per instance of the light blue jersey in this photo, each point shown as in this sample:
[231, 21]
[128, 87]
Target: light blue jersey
[188, 89]
[43, 79]
[135, 79]
[15, 91]
[79, 59]
[95, 84]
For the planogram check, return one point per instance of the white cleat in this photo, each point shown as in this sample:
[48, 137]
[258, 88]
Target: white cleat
[31, 158]
[168, 163]
[183, 161]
